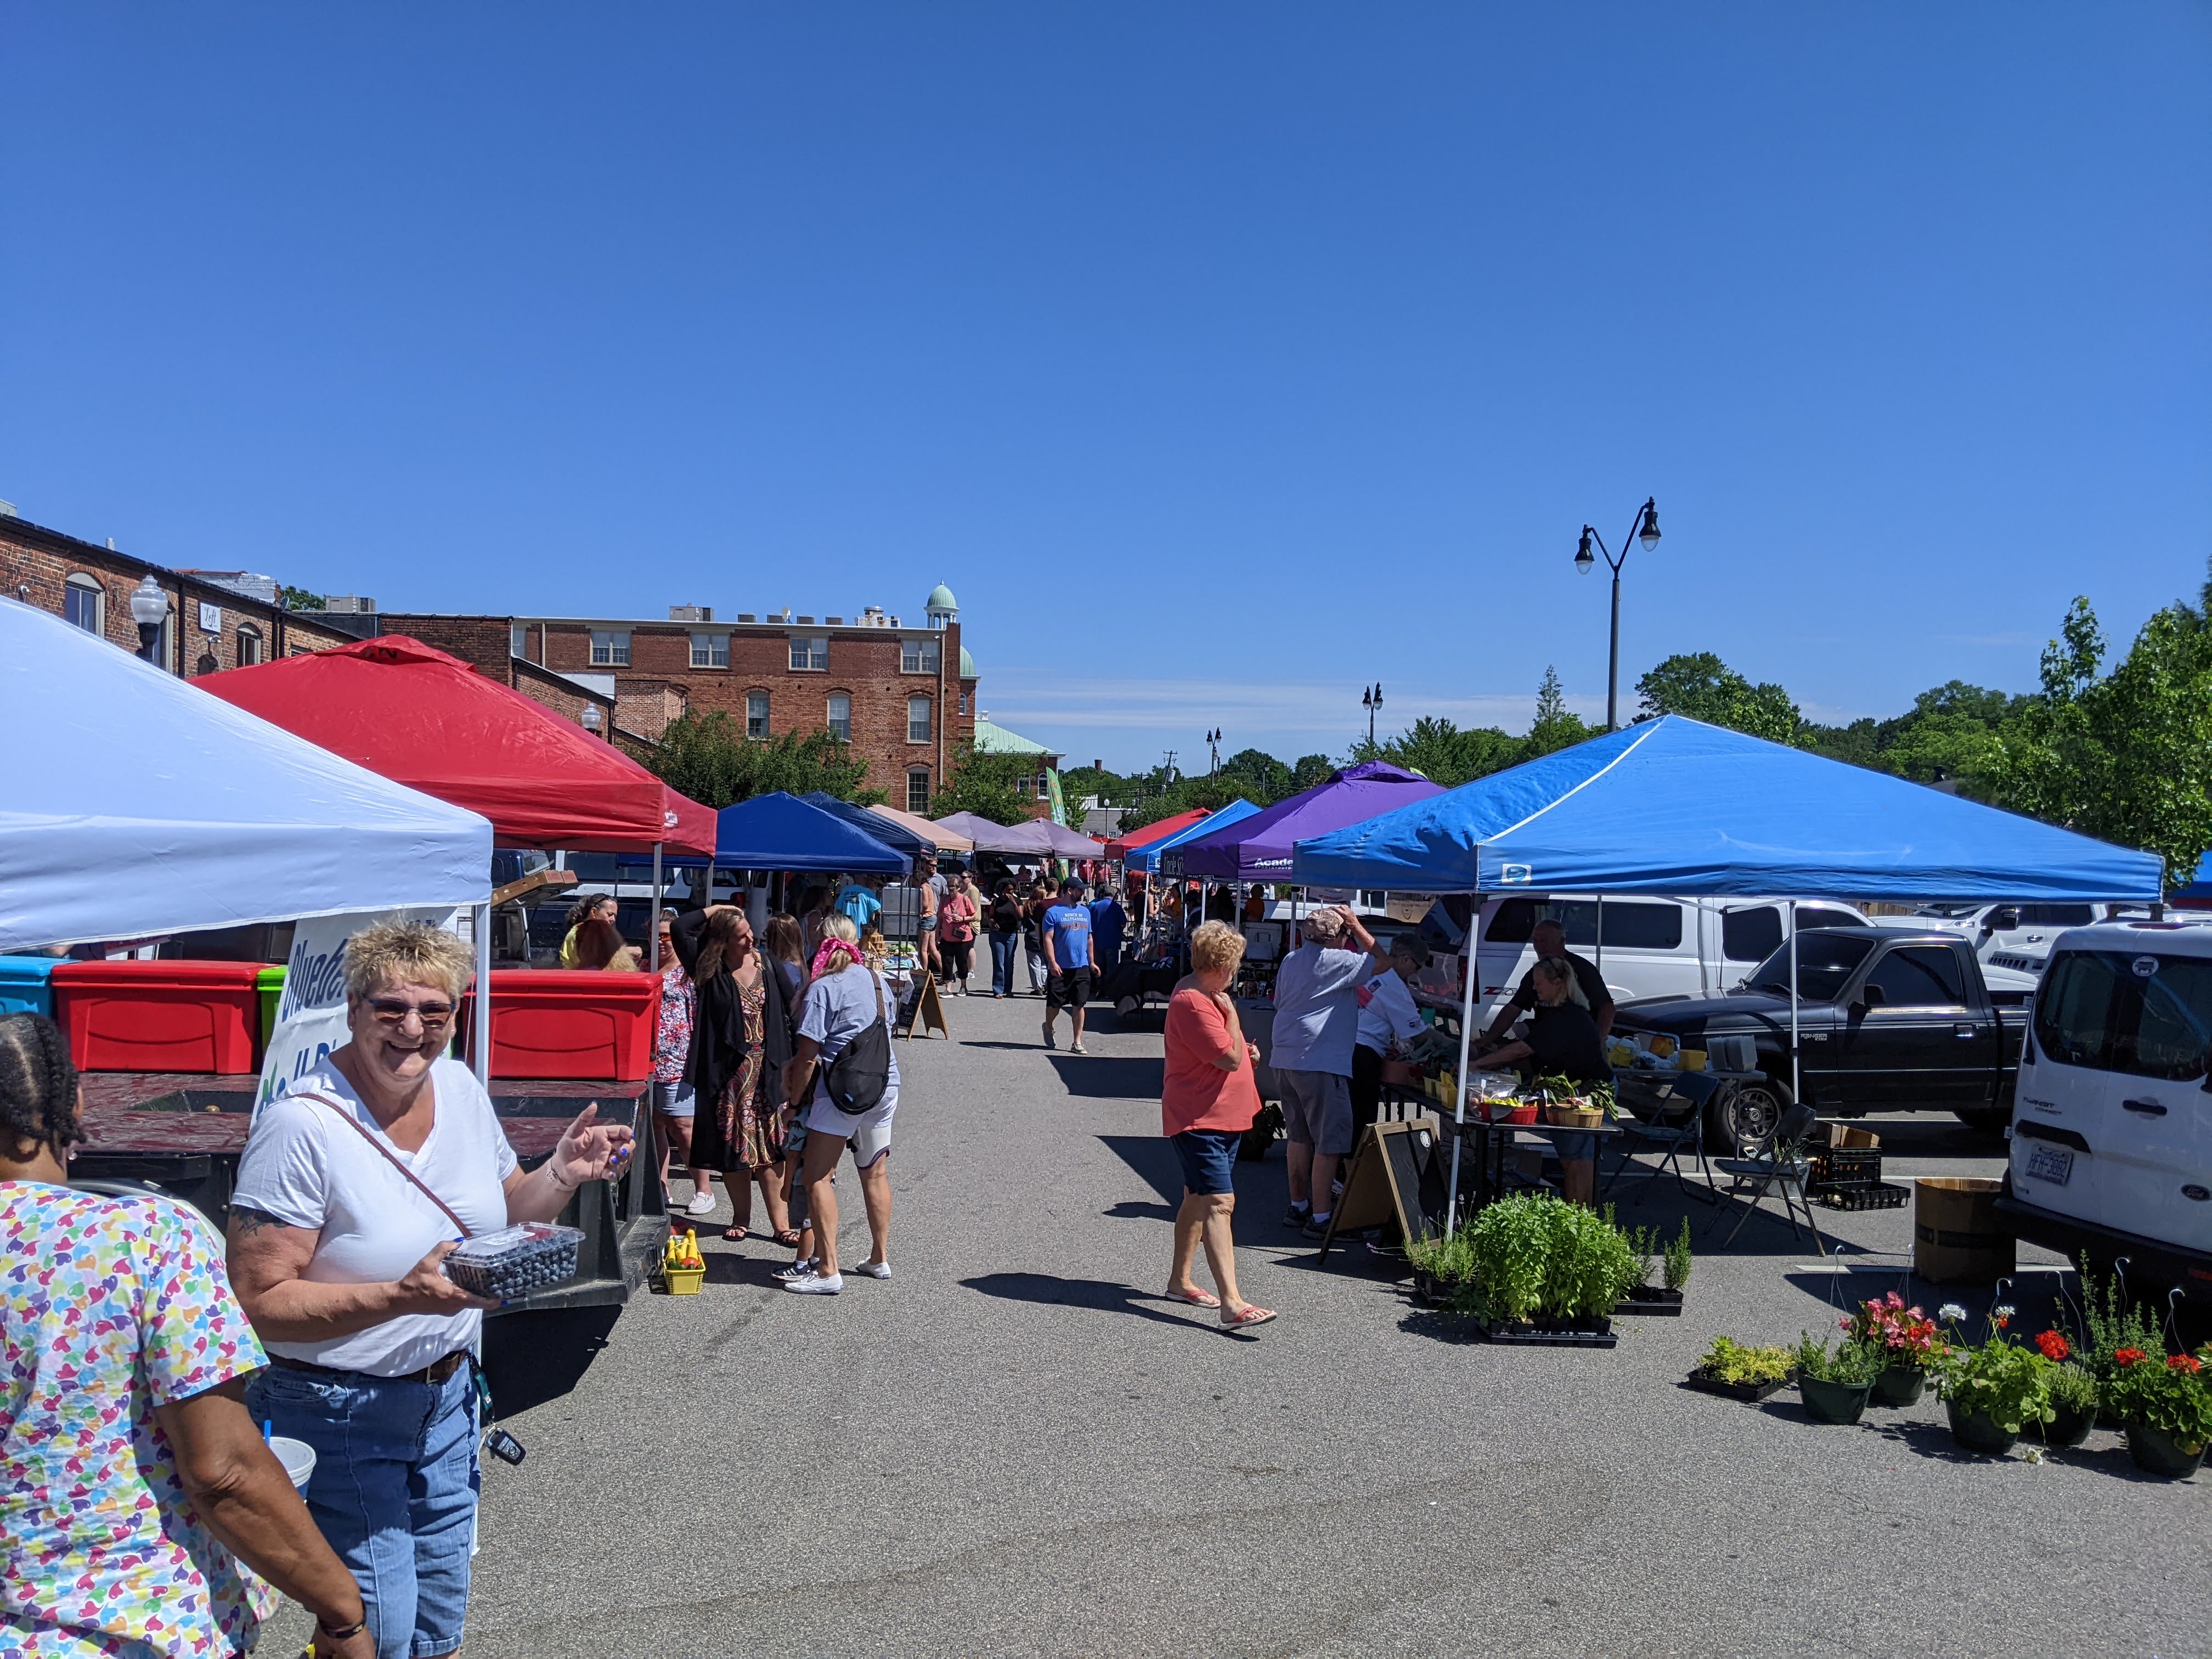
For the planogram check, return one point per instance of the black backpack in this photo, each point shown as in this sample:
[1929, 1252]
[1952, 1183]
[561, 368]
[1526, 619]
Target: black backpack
[856, 1080]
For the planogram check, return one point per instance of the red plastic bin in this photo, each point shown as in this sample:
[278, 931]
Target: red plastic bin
[569, 1023]
[132, 1016]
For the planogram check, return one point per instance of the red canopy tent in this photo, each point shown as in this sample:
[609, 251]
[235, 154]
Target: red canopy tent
[1120, 846]
[411, 713]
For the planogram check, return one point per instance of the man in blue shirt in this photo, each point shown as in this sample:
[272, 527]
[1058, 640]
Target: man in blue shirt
[858, 900]
[1067, 934]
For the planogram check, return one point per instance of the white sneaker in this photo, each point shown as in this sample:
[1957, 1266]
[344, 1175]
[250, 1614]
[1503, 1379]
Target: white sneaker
[816, 1284]
[1049, 1042]
[874, 1270]
[799, 1269]
[1077, 1049]
[701, 1203]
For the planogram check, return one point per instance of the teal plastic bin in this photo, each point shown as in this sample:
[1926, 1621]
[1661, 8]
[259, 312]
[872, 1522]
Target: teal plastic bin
[27, 985]
[270, 982]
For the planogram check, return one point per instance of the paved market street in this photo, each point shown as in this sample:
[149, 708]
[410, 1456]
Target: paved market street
[1015, 1448]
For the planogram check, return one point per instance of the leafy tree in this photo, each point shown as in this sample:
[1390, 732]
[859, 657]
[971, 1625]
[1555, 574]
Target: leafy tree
[1554, 727]
[2125, 757]
[1310, 770]
[1442, 753]
[709, 758]
[1260, 777]
[1700, 684]
[986, 785]
[298, 598]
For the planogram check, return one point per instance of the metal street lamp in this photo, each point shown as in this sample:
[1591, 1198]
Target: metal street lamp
[150, 609]
[1646, 530]
[1371, 701]
[591, 717]
[1213, 750]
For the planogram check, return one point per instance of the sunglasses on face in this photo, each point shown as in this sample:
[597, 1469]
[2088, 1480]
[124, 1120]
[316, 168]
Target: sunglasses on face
[391, 1010]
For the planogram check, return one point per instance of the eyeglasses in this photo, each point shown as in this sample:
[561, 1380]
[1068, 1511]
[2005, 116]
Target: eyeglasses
[391, 1010]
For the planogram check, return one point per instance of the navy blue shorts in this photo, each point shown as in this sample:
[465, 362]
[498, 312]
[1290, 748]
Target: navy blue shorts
[1209, 1158]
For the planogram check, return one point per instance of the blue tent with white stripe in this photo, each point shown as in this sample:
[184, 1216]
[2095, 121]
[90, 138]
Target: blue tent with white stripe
[1147, 859]
[779, 831]
[1673, 806]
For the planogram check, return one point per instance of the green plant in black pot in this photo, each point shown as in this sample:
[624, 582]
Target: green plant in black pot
[1510, 1247]
[2110, 1323]
[1834, 1383]
[1589, 1264]
[1994, 1389]
[1678, 1260]
[2073, 1401]
[1731, 1361]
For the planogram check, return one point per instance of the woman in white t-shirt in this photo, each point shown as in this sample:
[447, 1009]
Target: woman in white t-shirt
[352, 1188]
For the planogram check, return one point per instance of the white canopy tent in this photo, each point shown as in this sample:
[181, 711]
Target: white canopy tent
[136, 804]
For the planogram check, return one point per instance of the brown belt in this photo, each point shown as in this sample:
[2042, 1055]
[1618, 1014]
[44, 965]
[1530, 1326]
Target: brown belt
[438, 1370]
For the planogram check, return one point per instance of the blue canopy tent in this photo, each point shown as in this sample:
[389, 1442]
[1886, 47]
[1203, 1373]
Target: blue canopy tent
[893, 835]
[1673, 806]
[779, 831]
[1146, 860]
[2197, 894]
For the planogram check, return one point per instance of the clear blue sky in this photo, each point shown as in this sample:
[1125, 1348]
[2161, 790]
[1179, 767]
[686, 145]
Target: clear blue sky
[1222, 358]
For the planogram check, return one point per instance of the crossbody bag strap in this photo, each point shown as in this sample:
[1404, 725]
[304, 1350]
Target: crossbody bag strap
[385, 1152]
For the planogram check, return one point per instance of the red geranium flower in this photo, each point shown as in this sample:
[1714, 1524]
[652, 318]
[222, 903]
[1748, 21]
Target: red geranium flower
[2184, 1362]
[2055, 1346]
[2126, 1356]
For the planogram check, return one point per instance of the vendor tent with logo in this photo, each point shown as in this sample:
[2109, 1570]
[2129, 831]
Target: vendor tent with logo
[1258, 847]
[1145, 859]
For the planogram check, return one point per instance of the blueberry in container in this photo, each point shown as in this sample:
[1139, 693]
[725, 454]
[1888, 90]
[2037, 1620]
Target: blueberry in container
[515, 1262]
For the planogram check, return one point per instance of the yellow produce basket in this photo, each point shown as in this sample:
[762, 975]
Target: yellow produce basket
[684, 1281]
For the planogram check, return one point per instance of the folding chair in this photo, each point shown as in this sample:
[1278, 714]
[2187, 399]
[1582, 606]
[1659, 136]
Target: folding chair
[1637, 1135]
[1786, 1170]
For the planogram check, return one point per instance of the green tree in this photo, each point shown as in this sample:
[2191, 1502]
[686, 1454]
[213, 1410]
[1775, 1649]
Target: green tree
[986, 785]
[1310, 771]
[2125, 757]
[1553, 726]
[1443, 753]
[298, 598]
[1700, 685]
[709, 758]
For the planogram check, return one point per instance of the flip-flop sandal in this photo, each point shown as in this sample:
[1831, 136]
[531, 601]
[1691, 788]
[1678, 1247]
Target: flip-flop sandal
[1196, 1298]
[1251, 1316]
[788, 1238]
[737, 1235]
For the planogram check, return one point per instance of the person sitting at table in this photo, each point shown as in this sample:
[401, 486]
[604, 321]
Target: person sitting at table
[1550, 938]
[1563, 1041]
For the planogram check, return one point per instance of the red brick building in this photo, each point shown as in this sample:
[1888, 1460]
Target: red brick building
[217, 619]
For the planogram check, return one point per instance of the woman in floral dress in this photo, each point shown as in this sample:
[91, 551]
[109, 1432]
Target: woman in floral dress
[741, 1037]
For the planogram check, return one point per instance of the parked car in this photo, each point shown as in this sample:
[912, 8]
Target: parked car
[2008, 935]
[2111, 1137]
[1888, 1019]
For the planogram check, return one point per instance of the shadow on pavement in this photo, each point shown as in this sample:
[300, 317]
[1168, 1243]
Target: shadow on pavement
[1052, 1291]
[1130, 1209]
[1108, 1076]
[530, 1358]
[1440, 1327]
[1152, 1157]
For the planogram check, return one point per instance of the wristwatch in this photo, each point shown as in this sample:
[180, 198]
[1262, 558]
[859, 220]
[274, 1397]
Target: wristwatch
[344, 1635]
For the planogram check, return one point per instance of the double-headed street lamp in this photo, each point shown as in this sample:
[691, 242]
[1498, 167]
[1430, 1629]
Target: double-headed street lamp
[1644, 530]
[1213, 751]
[1371, 701]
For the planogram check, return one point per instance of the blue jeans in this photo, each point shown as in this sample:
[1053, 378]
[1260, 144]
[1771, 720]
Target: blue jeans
[1002, 963]
[394, 1491]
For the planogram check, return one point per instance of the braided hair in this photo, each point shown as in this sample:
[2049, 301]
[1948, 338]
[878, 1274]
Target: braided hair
[37, 1085]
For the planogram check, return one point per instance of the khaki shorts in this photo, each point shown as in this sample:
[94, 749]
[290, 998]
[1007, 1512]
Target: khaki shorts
[1317, 1111]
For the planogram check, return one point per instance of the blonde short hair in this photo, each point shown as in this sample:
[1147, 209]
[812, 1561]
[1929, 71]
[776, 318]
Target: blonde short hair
[406, 953]
[1215, 945]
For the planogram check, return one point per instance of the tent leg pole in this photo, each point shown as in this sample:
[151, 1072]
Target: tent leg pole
[482, 1035]
[1459, 1080]
[1796, 1092]
[653, 921]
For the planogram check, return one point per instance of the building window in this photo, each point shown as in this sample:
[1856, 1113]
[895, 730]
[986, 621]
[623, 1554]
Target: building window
[518, 640]
[917, 720]
[83, 605]
[809, 652]
[249, 647]
[710, 650]
[963, 703]
[918, 655]
[840, 716]
[611, 649]
[917, 790]
[755, 714]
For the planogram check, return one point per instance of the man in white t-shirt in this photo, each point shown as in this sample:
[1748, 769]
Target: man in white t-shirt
[1316, 1022]
[1388, 1019]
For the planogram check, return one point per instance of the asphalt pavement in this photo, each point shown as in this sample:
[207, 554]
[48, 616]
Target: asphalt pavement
[1016, 1447]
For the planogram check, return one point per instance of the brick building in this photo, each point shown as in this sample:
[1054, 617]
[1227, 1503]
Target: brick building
[217, 619]
[903, 695]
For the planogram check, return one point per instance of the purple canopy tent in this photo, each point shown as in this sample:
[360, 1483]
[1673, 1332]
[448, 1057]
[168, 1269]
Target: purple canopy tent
[1258, 848]
[1039, 837]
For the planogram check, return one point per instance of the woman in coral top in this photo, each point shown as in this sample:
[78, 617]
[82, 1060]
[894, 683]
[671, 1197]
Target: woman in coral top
[1207, 1103]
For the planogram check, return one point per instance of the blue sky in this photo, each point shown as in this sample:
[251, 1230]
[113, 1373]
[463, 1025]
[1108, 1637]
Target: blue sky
[1223, 359]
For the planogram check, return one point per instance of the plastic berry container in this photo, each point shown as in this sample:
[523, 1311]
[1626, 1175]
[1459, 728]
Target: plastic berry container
[515, 1262]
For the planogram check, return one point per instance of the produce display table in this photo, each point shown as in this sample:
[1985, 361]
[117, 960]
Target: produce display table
[1484, 1160]
[185, 1131]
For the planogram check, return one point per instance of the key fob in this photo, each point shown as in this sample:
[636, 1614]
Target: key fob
[505, 1446]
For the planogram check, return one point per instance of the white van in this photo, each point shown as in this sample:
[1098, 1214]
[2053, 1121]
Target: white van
[2112, 1131]
[2014, 936]
[1652, 947]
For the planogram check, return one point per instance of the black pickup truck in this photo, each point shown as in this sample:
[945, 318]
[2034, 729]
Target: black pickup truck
[1888, 1019]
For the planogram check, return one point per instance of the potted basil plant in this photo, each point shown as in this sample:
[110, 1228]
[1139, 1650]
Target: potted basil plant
[1834, 1384]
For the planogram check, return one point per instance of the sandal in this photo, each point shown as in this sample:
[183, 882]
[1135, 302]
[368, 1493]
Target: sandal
[737, 1235]
[1253, 1314]
[1196, 1298]
[788, 1238]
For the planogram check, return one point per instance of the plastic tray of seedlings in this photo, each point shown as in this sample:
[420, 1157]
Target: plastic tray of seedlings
[1550, 1332]
[1866, 1195]
[515, 1262]
[1749, 1393]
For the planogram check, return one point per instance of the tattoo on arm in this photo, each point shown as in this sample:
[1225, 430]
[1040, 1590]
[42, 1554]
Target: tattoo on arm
[250, 1221]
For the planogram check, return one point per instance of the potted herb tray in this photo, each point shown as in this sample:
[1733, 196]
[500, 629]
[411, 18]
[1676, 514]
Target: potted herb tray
[1750, 1393]
[1648, 1299]
[1543, 1333]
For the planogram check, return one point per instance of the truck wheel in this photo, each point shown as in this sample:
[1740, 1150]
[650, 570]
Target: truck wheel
[1985, 1119]
[1743, 1117]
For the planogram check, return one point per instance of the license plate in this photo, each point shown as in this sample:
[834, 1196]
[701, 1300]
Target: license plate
[2052, 1164]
